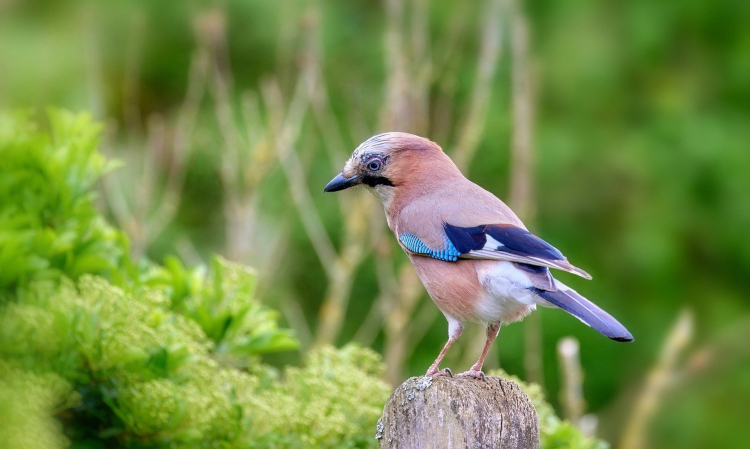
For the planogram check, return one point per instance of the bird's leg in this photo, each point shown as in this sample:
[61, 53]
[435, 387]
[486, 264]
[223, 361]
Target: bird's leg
[454, 331]
[476, 369]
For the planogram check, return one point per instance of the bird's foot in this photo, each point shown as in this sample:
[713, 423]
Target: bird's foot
[434, 372]
[477, 374]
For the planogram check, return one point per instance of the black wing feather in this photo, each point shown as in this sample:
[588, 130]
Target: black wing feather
[507, 242]
[514, 240]
[523, 243]
[466, 239]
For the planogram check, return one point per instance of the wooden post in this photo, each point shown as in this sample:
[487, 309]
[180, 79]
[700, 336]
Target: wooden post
[442, 412]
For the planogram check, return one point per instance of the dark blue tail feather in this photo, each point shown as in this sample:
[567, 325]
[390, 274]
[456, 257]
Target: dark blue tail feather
[586, 311]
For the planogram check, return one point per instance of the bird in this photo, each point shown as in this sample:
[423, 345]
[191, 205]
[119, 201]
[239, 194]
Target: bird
[474, 256]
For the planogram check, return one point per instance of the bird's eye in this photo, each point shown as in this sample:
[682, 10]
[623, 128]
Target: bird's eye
[374, 165]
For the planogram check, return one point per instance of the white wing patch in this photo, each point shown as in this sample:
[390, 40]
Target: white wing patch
[492, 244]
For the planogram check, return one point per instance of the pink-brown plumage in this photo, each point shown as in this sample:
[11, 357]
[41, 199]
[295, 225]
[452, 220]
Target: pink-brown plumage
[474, 256]
[454, 288]
[457, 291]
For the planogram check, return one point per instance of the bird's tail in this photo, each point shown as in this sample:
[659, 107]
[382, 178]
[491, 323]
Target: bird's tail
[589, 313]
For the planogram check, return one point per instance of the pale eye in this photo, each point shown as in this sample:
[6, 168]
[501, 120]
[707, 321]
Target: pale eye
[374, 165]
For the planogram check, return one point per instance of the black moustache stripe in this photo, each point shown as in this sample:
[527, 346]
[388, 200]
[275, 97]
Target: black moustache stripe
[373, 181]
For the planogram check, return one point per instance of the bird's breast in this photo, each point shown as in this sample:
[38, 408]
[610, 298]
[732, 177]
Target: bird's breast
[460, 290]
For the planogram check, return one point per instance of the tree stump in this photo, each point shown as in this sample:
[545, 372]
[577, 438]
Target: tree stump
[442, 412]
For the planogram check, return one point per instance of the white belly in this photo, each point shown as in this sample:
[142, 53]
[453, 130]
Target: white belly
[506, 297]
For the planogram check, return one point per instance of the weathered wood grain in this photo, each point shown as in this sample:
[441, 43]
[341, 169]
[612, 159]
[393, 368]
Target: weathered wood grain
[444, 412]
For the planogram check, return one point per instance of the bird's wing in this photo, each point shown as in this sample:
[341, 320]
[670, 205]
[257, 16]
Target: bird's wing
[507, 242]
[495, 242]
[464, 221]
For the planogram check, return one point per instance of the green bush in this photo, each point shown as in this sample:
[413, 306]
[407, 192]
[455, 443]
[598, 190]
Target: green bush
[97, 350]
[554, 433]
[27, 401]
[48, 224]
[238, 327]
[153, 370]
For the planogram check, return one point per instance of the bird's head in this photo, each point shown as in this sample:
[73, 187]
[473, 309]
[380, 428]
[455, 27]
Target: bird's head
[389, 162]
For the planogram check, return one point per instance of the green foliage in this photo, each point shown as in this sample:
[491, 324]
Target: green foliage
[48, 225]
[144, 355]
[239, 328]
[27, 401]
[153, 369]
[334, 401]
[554, 432]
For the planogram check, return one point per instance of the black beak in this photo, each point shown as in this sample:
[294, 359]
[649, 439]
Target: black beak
[341, 183]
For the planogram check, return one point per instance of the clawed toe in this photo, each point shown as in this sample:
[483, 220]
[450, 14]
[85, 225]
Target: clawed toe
[473, 373]
[443, 372]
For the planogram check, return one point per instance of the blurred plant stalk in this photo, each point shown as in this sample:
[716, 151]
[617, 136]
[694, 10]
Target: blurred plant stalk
[571, 393]
[571, 390]
[339, 265]
[659, 381]
[248, 156]
[264, 141]
[157, 184]
[522, 168]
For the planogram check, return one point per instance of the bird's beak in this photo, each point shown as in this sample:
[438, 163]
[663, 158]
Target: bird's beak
[341, 183]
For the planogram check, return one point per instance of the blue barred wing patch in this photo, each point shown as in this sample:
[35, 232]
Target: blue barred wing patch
[448, 253]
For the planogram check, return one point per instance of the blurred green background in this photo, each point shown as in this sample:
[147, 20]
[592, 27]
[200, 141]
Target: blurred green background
[230, 117]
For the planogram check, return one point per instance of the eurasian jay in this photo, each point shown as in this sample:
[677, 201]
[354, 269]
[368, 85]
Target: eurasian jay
[472, 253]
